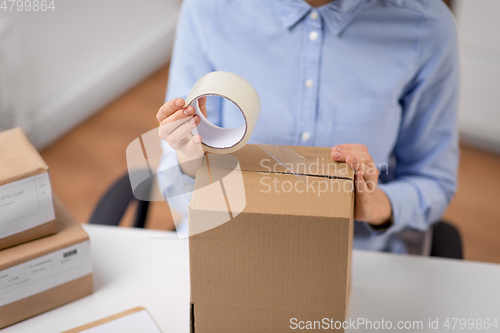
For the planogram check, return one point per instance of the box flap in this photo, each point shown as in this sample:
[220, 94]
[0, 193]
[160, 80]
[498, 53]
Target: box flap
[19, 159]
[284, 194]
[69, 232]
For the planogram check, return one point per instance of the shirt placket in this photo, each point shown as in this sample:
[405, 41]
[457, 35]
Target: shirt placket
[310, 67]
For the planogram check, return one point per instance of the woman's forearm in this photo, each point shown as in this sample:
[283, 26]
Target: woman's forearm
[189, 165]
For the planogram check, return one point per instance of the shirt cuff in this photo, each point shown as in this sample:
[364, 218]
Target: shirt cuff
[187, 180]
[171, 179]
[402, 197]
[176, 182]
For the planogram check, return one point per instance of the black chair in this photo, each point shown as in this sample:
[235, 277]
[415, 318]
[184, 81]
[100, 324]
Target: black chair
[114, 203]
[444, 239]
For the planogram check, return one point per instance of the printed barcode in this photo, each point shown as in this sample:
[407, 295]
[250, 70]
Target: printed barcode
[69, 253]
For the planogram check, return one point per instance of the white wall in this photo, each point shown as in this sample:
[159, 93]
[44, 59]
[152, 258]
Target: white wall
[78, 58]
[57, 68]
[9, 85]
[479, 32]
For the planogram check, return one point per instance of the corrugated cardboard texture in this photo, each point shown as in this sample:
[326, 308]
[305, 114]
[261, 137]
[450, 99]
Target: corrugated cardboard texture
[286, 255]
[19, 159]
[47, 300]
[70, 233]
[40, 231]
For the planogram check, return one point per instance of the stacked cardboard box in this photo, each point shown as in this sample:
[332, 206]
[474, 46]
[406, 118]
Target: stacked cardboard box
[45, 253]
[26, 208]
[267, 248]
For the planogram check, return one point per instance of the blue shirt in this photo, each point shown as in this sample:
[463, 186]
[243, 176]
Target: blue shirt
[383, 73]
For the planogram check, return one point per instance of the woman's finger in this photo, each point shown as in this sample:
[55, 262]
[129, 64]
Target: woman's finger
[361, 156]
[369, 171]
[167, 109]
[167, 126]
[178, 137]
[363, 186]
[193, 146]
[351, 146]
[179, 116]
[359, 182]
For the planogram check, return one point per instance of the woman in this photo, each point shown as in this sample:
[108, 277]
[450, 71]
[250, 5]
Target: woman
[376, 80]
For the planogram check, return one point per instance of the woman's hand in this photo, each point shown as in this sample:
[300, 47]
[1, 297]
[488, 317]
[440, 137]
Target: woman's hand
[176, 122]
[372, 204]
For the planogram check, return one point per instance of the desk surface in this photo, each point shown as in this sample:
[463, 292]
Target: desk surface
[135, 267]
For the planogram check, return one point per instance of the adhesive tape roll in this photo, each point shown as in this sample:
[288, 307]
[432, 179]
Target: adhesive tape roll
[236, 89]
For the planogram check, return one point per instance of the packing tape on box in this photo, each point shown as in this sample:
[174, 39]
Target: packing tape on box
[236, 89]
[220, 140]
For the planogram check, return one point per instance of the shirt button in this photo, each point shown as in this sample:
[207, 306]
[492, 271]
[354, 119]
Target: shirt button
[313, 15]
[313, 35]
[309, 83]
[305, 136]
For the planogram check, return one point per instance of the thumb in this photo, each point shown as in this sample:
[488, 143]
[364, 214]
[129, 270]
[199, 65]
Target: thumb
[360, 184]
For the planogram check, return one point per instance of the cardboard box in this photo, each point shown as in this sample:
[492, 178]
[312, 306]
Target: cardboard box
[272, 250]
[26, 207]
[46, 273]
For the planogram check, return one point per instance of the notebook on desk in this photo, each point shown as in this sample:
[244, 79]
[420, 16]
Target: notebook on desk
[130, 321]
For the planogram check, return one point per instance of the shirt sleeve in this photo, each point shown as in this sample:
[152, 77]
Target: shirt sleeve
[427, 152]
[189, 62]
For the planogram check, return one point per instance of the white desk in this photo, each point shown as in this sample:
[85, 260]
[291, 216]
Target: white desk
[134, 267]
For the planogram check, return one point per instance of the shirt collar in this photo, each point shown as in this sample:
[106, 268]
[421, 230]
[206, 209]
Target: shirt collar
[336, 14]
